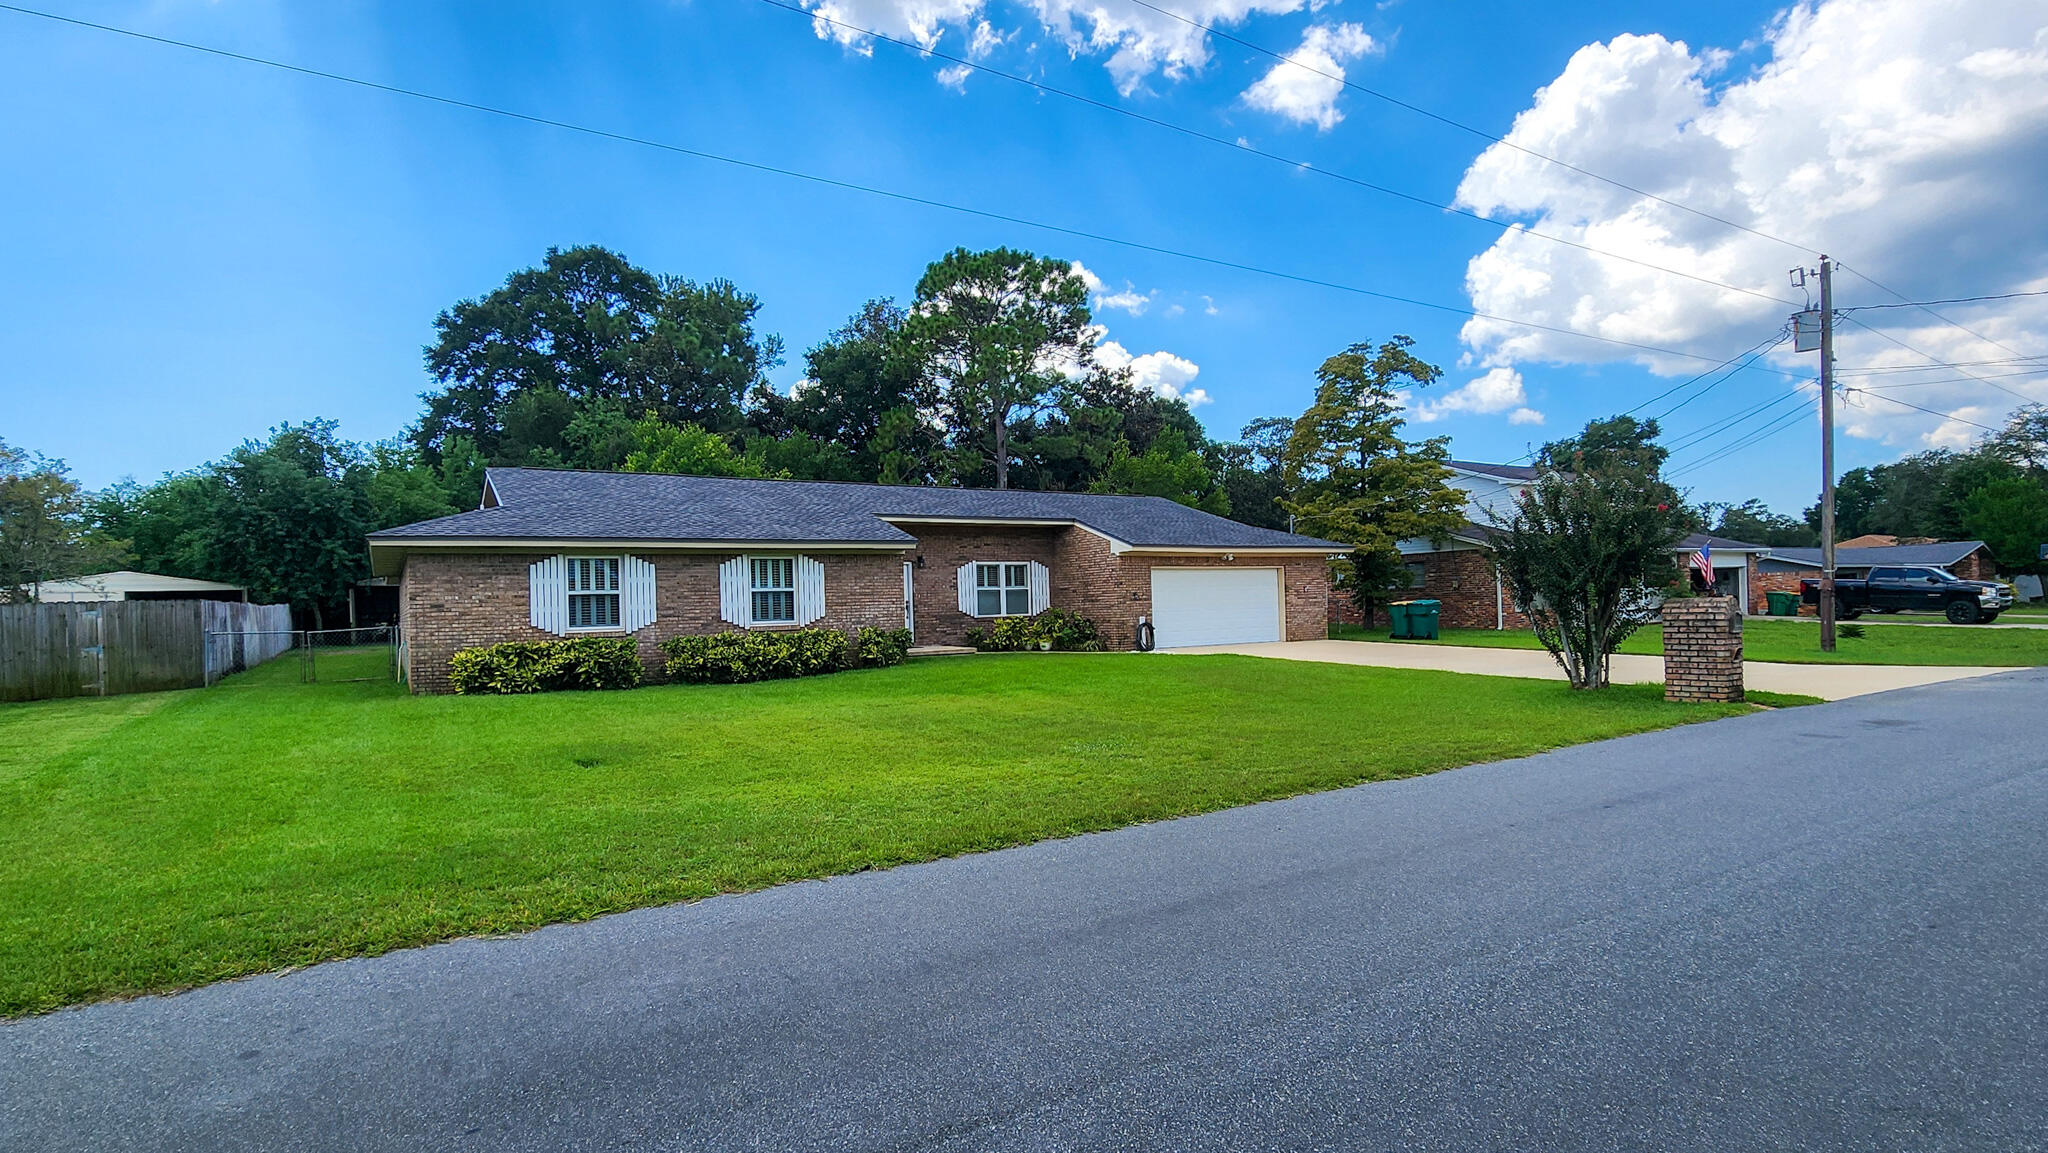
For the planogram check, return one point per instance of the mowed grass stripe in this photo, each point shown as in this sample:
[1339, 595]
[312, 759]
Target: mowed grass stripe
[152, 843]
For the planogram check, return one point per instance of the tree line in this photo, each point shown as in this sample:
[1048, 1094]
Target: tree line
[986, 377]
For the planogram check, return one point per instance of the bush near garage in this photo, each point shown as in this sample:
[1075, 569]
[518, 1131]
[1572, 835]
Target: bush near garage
[732, 658]
[546, 666]
[1068, 632]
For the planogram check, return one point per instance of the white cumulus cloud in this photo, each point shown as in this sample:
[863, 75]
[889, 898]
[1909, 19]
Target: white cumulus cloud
[1498, 390]
[1904, 138]
[920, 21]
[1128, 299]
[1160, 373]
[1305, 86]
[1134, 43]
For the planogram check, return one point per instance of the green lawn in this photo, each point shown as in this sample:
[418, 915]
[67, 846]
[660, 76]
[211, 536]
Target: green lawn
[154, 842]
[1798, 642]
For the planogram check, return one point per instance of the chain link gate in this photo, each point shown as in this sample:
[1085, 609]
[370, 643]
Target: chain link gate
[340, 656]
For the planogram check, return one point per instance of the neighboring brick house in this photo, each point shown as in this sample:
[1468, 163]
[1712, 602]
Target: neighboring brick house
[563, 553]
[1456, 571]
[1971, 560]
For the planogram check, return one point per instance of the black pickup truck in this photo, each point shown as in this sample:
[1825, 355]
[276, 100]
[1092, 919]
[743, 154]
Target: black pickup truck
[1916, 588]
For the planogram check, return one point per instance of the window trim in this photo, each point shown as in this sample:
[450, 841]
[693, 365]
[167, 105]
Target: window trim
[1003, 590]
[617, 592]
[794, 580]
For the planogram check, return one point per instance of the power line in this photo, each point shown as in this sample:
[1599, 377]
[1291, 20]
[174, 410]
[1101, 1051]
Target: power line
[1928, 410]
[1723, 379]
[1253, 150]
[1463, 127]
[1782, 425]
[830, 182]
[1927, 303]
[1752, 353]
[1957, 365]
[1930, 357]
[1904, 300]
[1724, 426]
[1958, 379]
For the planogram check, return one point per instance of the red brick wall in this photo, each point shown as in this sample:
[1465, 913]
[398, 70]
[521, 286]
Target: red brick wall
[1703, 649]
[1975, 567]
[942, 549]
[453, 601]
[450, 601]
[1463, 580]
[1761, 582]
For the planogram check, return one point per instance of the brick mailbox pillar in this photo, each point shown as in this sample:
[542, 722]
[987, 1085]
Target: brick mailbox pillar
[1702, 649]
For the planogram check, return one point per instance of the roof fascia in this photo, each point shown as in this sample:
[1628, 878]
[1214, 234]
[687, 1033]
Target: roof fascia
[1115, 545]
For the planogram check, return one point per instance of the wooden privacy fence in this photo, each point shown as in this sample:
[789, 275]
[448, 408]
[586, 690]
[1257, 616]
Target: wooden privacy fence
[85, 649]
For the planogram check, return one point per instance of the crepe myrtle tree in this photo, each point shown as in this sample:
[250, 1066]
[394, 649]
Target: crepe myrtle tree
[1582, 554]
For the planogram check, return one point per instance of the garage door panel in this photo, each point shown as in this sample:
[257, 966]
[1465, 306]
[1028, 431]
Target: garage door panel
[1214, 606]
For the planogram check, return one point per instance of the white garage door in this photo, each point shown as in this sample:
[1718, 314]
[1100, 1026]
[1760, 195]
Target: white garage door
[1215, 606]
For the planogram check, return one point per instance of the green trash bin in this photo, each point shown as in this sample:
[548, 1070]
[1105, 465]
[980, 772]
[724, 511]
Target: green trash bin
[1397, 612]
[1422, 618]
[1783, 604]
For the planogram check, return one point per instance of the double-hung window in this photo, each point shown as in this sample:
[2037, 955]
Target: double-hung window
[1002, 590]
[593, 591]
[772, 589]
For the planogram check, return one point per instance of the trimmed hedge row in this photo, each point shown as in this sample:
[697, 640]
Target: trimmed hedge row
[546, 666]
[722, 658]
[740, 657]
[1067, 632]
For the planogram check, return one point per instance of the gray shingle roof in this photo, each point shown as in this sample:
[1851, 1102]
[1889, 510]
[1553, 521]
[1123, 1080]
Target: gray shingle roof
[555, 504]
[1692, 543]
[1503, 471]
[1945, 552]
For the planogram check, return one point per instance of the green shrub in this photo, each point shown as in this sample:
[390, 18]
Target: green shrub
[875, 648]
[546, 666]
[1850, 632]
[1068, 632]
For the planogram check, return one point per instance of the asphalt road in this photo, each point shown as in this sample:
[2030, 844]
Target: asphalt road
[1819, 928]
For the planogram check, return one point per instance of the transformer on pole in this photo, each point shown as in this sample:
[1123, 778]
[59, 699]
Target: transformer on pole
[1814, 330]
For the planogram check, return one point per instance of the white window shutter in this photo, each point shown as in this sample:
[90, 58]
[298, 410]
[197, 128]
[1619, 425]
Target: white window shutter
[1041, 589]
[636, 593]
[967, 588]
[547, 596]
[732, 591]
[810, 590]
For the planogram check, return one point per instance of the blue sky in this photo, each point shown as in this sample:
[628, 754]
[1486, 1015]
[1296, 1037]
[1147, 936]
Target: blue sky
[201, 248]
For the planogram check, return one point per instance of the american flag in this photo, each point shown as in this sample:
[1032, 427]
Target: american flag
[1703, 560]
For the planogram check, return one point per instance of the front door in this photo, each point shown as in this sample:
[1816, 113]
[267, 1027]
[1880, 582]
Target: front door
[909, 600]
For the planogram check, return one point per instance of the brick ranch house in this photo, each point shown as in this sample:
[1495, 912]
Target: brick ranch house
[554, 553]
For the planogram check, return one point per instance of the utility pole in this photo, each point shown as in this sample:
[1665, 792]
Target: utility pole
[1810, 332]
[1827, 455]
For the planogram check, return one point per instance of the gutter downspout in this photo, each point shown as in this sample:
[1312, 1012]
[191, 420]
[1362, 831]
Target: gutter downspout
[1500, 610]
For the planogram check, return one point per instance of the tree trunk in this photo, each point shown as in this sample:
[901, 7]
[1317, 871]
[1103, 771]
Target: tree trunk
[1002, 452]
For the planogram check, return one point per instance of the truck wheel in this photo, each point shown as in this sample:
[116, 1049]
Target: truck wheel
[1964, 612]
[1987, 618]
[1845, 613]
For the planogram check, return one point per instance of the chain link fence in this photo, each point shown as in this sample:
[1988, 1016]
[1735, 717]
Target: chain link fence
[324, 656]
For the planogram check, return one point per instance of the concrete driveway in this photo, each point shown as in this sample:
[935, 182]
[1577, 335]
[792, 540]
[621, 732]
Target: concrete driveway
[1814, 928]
[1829, 682]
